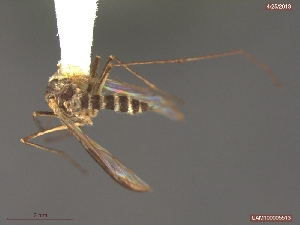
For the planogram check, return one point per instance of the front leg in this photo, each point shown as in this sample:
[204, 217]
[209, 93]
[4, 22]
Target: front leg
[26, 140]
[41, 113]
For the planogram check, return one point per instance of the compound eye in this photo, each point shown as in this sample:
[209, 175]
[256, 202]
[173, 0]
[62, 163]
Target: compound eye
[68, 94]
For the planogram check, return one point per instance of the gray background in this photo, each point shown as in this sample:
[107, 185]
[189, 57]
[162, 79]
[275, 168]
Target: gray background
[237, 153]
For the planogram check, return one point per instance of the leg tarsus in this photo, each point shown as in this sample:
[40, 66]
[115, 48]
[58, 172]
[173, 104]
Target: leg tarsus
[182, 60]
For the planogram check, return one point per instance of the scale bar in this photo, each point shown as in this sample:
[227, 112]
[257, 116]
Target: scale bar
[39, 219]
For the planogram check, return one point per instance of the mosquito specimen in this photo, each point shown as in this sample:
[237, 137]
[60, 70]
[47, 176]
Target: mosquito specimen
[76, 99]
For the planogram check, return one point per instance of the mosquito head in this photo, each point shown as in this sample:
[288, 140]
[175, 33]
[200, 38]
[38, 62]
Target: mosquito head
[60, 91]
[56, 87]
[66, 96]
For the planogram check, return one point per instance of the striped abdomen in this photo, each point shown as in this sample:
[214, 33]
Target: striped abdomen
[118, 103]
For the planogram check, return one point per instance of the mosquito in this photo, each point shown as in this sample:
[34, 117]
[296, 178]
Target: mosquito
[76, 99]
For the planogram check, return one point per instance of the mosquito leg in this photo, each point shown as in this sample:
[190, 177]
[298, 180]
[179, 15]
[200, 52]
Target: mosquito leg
[97, 90]
[95, 67]
[108, 66]
[182, 60]
[41, 128]
[59, 137]
[41, 113]
[26, 140]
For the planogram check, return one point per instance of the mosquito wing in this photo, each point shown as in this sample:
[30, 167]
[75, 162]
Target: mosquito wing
[161, 104]
[117, 170]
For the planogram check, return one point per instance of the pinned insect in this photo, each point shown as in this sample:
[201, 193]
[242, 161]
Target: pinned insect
[76, 99]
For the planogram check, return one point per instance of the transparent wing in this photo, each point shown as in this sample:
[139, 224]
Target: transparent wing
[161, 104]
[117, 170]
